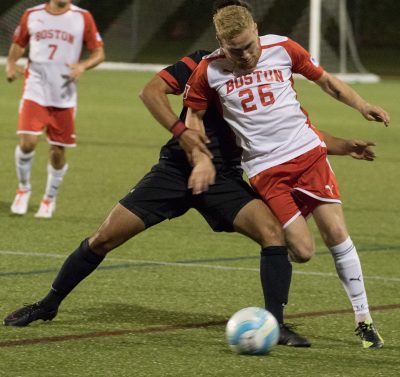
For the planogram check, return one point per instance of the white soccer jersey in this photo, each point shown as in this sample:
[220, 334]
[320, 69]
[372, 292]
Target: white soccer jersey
[262, 106]
[54, 41]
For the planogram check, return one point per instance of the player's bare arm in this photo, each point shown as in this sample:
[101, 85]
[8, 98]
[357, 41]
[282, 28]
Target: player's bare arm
[203, 172]
[155, 97]
[202, 176]
[12, 69]
[358, 149]
[96, 56]
[191, 139]
[344, 93]
[194, 121]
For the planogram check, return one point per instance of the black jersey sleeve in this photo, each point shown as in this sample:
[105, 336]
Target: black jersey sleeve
[177, 75]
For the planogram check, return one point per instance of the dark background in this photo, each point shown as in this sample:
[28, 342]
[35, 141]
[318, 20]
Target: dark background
[375, 25]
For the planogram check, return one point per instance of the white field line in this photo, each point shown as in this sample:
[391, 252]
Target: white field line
[368, 78]
[195, 265]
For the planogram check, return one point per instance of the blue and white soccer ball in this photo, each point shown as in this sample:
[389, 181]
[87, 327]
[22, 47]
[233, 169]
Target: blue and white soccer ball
[252, 331]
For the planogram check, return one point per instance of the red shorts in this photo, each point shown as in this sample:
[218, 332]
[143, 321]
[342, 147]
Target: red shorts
[298, 186]
[58, 123]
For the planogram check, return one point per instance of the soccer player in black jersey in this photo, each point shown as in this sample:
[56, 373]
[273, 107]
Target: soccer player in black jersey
[227, 205]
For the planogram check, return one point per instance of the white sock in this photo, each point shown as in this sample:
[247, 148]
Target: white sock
[348, 267]
[54, 179]
[23, 164]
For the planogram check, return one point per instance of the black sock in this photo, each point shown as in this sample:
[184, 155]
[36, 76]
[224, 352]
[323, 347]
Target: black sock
[80, 264]
[276, 275]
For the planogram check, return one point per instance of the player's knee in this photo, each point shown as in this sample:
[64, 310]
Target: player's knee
[57, 157]
[27, 146]
[101, 243]
[335, 235]
[301, 252]
[299, 258]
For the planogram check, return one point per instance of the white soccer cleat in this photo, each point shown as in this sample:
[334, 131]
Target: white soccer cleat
[20, 204]
[46, 209]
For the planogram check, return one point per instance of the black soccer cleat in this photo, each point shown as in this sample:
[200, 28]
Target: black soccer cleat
[29, 313]
[287, 337]
[369, 335]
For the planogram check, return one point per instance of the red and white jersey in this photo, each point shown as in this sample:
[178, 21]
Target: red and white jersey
[54, 41]
[261, 106]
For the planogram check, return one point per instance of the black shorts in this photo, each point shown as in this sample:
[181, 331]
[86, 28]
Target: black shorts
[163, 194]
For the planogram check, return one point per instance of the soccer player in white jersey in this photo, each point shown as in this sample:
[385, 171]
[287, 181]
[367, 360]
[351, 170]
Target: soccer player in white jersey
[56, 33]
[284, 157]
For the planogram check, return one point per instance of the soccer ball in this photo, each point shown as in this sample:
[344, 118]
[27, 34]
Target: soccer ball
[252, 331]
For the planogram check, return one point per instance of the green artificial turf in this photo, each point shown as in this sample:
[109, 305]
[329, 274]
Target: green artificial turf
[135, 317]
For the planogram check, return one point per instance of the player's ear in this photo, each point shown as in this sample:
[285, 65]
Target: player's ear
[255, 28]
[219, 40]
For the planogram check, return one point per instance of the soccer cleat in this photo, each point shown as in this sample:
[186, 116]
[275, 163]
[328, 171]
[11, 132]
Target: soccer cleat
[287, 337]
[46, 209]
[29, 313]
[369, 335]
[20, 204]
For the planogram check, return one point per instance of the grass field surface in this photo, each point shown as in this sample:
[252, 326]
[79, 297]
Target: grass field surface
[157, 305]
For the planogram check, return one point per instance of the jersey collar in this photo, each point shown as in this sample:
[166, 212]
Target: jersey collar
[57, 14]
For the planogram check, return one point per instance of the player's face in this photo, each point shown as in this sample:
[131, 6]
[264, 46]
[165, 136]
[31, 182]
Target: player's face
[244, 50]
[60, 3]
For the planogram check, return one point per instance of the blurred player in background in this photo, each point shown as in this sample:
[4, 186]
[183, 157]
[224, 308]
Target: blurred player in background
[283, 155]
[55, 33]
[228, 205]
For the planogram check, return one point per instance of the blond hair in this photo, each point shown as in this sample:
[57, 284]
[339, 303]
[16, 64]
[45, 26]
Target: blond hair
[230, 21]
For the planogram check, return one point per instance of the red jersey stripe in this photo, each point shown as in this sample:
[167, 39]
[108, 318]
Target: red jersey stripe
[170, 80]
[189, 62]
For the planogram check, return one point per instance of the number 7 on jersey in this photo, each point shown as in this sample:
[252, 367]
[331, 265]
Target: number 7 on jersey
[53, 49]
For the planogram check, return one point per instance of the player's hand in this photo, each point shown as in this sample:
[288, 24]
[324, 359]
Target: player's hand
[76, 71]
[13, 71]
[361, 150]
[191, 139]
[202, 176]
[375, 113]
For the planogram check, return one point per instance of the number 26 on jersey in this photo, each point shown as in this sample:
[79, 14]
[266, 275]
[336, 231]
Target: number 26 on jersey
[254, 97]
